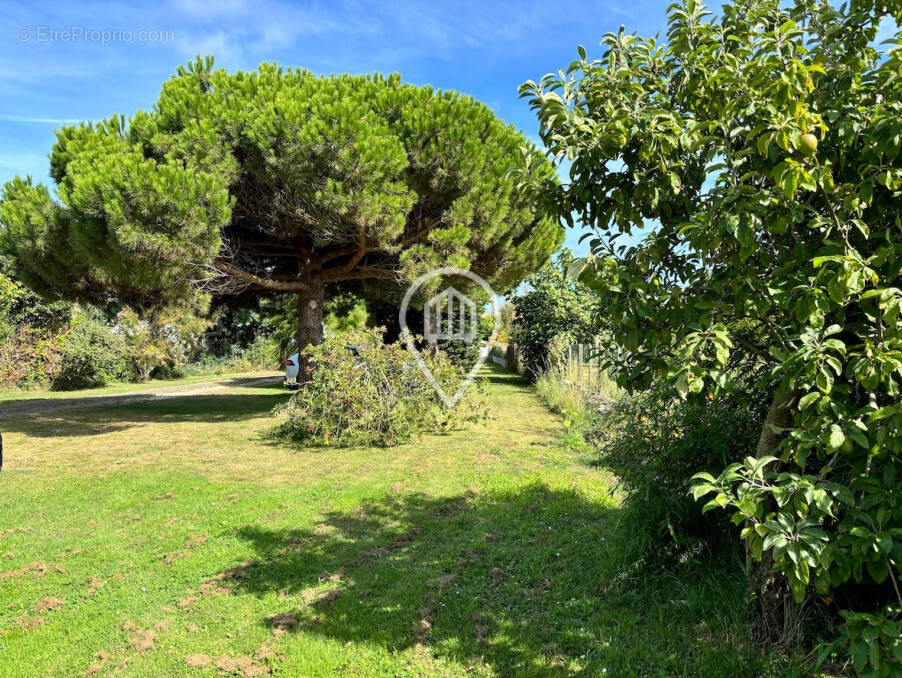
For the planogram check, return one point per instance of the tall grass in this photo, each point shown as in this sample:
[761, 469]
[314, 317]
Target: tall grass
[567, 389]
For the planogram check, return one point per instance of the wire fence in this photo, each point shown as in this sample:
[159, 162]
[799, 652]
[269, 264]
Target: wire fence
[582, 361]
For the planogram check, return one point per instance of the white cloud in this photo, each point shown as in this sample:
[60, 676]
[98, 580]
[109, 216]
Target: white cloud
[37, 120]
[220, 44]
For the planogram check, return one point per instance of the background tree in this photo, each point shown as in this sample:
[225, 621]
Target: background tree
[552, 311]
[760, 151]
[277, 181]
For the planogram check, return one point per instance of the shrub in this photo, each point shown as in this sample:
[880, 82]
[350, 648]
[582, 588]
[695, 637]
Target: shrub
[365, 393]
[554, 307]
[508, 313]
[770, 208]
[8, 293]
[21, 307]
[29, 357]
[261, 354]
[92, 355]
[460, 353]
[233, 330]
[163, 339]
[344, 313]
[30, 333]
[656, 441]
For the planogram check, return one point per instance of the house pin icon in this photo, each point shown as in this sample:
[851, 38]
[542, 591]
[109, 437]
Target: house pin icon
[445, 317]
[450, 316]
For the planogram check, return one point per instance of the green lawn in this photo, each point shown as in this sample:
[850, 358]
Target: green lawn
[177, 538]
[9, 395]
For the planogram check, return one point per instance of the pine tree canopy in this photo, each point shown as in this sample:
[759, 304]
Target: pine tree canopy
[278, 181]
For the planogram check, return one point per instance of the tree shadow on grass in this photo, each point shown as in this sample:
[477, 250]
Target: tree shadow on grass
[507, 578]
[495, 374]
[527, 581]
[107, 414]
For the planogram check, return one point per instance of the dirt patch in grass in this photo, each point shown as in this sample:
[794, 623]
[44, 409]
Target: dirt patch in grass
[423, 625]
[242, 665]
[170, 558]
[284, 621]
[186, 602]
[323, 529]
[328, 596]
[372, 554]
[11, 574]
[407, 538]
[332, 576]
[263, 653]
[197, 660]
[49, 604]
[138, 639]
[236, 572]
[441, 581]
[195, 540]
[14, 530]
[143, 641]
[25, 622]
[103, 658]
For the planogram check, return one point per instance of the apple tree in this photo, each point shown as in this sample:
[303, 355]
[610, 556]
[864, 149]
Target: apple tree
[744, 185]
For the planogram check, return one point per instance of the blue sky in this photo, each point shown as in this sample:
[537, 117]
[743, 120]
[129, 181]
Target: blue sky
[480, 48]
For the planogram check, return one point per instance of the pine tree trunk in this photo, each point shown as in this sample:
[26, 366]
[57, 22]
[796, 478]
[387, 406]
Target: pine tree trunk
[310, 327]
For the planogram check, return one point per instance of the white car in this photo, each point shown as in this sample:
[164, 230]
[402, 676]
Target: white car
[291, 367]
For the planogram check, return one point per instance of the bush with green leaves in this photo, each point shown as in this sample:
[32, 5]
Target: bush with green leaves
[162, 339]
[656, 441]
[344, 313]
[29, 358]
[92, 354]
[22, 307]
[760, 153]
[552, 306]
[31, 332]
[9, 291]
[233, 330]
[462, 354]
[364, 392]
